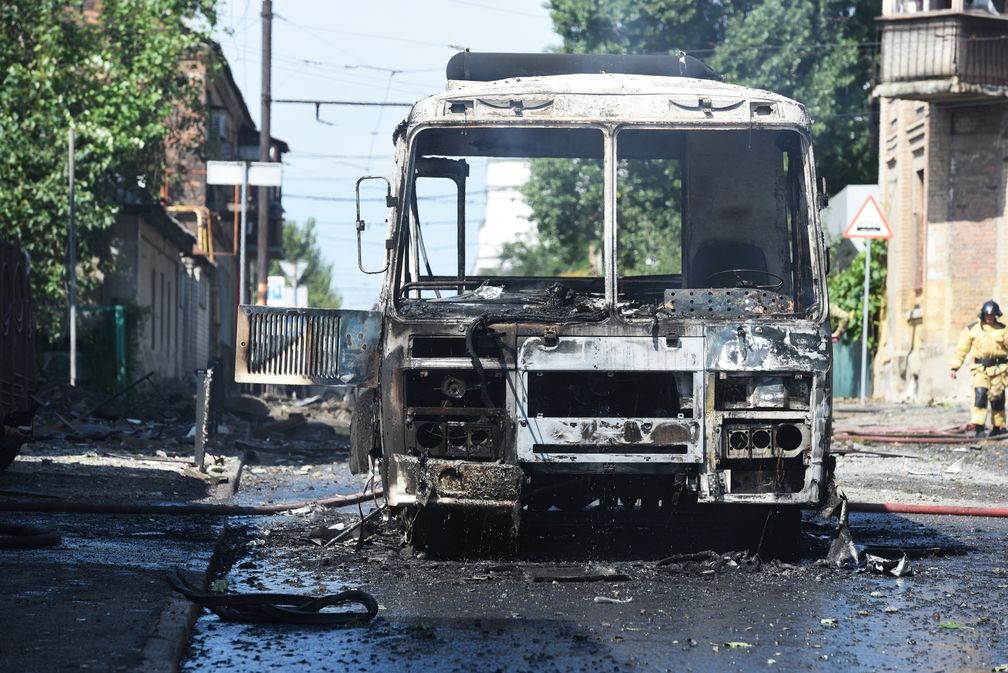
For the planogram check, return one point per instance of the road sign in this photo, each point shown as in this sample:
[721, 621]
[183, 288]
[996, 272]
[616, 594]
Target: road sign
[225, 172]
[869, 222]
[260, 173]
[275, 291]
[294, 270]
[244, 173]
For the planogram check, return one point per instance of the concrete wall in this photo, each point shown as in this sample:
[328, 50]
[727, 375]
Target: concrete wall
[155, 270]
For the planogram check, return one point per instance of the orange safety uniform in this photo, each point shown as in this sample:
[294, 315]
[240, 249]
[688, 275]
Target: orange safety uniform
[989, 371]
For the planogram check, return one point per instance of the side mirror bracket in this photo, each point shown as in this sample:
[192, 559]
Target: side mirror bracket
[822, 200]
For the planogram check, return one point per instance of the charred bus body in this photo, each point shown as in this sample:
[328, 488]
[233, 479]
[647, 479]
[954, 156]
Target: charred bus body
[696, 373]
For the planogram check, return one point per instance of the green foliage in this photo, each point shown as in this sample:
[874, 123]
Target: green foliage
[846, 290]
[301, 243]
[117, 78]
[817, 52]
[648, 212]
[566, 197]
[528, 256]
[640, 26]
[561, 191]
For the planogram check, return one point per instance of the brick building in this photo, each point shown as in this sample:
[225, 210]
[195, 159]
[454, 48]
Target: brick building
[160, 268]
[943, 90]
[178, 260]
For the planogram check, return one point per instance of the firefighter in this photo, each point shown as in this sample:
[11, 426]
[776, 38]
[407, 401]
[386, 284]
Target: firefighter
[841, 317]
[987, 340]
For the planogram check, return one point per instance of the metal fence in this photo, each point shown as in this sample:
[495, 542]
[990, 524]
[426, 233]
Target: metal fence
[18, 372]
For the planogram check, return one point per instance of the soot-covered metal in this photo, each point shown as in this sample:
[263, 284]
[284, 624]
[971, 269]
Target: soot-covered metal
[694, 372]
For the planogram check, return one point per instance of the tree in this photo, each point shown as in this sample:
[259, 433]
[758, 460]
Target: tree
[818, 52]
[846, 290]
[640, 26]
[300, 243]
[113, 71]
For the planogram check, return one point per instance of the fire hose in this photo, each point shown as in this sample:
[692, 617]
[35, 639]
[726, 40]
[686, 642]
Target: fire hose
[947, 510]
[13, 536]
[276, 608]
[188, 509]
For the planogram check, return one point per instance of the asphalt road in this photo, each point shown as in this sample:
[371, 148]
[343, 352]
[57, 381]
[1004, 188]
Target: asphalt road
[487, 614]
[99, 600]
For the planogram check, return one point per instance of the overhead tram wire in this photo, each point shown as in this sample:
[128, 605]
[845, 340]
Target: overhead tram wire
[516, 12]
[345, 74]
[312, 30]
[359, 103]
[364, 103]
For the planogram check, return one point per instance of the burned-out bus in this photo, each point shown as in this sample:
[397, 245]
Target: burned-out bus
[683, 359]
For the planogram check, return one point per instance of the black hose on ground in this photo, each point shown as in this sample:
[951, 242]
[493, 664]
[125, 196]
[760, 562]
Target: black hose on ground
[270, 608]
[15, 536]
[187, 509]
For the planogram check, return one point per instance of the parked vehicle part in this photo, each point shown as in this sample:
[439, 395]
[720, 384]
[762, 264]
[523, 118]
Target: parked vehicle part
[697, 372]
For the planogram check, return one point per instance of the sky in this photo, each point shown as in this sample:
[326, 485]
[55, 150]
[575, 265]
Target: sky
[374, 51]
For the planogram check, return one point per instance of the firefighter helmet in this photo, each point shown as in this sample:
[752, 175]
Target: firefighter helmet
[990, 307]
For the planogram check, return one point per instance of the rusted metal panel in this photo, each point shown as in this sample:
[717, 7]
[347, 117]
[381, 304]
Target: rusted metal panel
[452, 483]
[767, 348]
[718, 302]
[307, 346]
[610, 440]
[593, 97]
[599, 440]
[18, 375]
[623, 354]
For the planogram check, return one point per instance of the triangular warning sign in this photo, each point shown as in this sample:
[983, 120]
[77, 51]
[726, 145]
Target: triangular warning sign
[869, 222]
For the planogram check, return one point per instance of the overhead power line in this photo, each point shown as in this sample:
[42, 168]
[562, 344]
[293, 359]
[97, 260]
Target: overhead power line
[303, 101]
[498, 9]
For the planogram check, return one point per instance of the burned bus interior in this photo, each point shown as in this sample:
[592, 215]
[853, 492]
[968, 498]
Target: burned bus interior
[733, 238]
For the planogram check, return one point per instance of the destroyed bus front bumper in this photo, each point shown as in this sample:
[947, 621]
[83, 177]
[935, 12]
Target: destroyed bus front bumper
[742, 412]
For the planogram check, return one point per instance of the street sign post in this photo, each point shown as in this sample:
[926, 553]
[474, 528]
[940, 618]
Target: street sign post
[293, 270]
[244, 173]
[869, 222]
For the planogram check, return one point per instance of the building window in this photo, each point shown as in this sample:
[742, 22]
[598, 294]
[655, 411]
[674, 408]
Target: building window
[218, 124]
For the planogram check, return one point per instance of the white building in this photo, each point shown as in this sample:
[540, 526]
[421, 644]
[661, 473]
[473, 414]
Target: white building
[507, 216]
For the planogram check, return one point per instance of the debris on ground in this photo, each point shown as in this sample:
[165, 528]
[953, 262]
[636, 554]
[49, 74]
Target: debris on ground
[710, 562]
[883, 566]
[592, 573]
[292, 421]
[613, 599]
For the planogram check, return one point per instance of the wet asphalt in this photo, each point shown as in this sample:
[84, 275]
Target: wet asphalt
[494, 613]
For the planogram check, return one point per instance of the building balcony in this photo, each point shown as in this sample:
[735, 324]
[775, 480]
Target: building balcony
[943, 54]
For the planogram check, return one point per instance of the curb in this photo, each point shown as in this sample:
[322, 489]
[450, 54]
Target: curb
[168, 645]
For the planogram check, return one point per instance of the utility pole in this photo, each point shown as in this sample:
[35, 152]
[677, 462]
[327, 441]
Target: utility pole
[72, 260]
[262, 238]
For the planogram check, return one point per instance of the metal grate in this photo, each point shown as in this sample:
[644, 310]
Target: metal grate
[306, 346]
